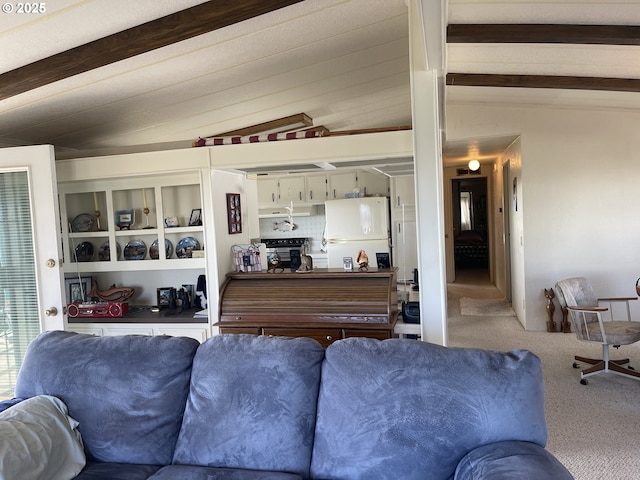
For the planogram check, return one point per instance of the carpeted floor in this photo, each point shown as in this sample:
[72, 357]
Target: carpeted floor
[487, 307]
[594, 430]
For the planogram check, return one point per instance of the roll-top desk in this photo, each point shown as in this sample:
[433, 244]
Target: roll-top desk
[325, 304]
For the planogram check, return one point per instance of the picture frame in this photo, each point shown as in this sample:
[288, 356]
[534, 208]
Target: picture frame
[382, 258]
[234, 215]
[77, 289]
[195, 220]
[125, 219]
[347, 263]
[166, 297]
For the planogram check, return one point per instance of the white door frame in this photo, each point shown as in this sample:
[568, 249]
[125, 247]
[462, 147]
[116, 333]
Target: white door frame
[39, 163]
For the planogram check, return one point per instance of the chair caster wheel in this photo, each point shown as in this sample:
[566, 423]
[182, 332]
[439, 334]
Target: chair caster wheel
[583, 382]
[575, 365]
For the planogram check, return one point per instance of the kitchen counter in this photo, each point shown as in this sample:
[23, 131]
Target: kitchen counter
[325, 304]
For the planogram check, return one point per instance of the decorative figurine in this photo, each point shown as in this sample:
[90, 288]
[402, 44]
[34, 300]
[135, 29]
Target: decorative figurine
[112, 294]
[275, 263]
[306, 262]
[362, 260]
[549, 295]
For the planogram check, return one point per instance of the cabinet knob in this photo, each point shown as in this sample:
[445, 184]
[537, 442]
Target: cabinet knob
[329, 337]
[51, 312]
[238, 318]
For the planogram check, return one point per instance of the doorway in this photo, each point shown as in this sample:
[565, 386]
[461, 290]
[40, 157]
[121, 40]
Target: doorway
[470, 225]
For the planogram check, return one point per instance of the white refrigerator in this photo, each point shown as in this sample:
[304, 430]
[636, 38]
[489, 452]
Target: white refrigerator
[354, 224]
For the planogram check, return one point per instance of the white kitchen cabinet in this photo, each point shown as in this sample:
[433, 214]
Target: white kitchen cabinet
[292, 189]
[405, 248]
[403, 191]
[342, 183]
[372, 184]
[267, 191]
[317, 188]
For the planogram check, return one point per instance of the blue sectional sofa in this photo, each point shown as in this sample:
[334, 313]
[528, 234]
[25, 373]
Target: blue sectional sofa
[242, 407]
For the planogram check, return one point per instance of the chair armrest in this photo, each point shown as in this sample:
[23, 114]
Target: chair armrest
[617, 299]
[509, 460]
[588, 309]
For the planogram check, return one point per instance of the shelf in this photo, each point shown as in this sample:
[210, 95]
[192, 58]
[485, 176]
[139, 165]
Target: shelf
[133, 265]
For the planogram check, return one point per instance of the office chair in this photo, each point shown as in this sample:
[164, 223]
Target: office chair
[590, 325]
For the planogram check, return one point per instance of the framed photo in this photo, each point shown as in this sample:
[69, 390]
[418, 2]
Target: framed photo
[125, 219]
[234, 217]
[383, 260]
[77, 289]
[347, 262]
[167, 297]
[196, 217]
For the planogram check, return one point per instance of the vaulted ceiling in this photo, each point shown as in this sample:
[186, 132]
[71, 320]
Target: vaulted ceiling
[115, 75]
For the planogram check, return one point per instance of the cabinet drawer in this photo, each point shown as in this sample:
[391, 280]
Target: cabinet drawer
[379, 334]
[324, 336]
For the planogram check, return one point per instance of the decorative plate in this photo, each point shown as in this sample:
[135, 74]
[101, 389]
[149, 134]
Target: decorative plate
[135, 250]
[154, 251]
[104, 252]
[84, 252]
[83, 223]
[186, 246]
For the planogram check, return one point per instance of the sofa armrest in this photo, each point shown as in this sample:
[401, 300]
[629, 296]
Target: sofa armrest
[509, 460]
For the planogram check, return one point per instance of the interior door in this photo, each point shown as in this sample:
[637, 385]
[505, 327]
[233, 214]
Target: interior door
[31, 276]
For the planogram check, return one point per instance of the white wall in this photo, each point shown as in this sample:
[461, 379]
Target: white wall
[223, 182]
[578, 198]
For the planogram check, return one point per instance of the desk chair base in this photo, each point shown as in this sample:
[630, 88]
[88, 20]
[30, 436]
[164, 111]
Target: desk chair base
[604, 365]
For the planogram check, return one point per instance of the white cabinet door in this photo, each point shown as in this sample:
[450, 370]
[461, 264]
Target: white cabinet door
[403, 191]
[317, 189]
[405, 248]
[340, 184]
[373, 185]
[292, 190]
[267, 192]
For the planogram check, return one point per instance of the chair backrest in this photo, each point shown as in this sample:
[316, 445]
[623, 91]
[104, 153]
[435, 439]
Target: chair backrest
[577, 292]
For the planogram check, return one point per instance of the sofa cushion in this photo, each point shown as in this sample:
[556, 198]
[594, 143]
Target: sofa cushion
[189, 472]
[38, 440]
[252, 404]
[127, 392]
[411, 410]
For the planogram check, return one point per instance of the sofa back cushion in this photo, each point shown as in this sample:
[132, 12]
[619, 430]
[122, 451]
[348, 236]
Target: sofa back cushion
[252, 404]
[411, 410]
[128, 393]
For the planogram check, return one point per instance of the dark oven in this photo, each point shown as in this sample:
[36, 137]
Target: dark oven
[287, 248]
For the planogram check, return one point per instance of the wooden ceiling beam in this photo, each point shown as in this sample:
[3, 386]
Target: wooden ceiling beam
[544, 81]
[544, 33]
[173, 28]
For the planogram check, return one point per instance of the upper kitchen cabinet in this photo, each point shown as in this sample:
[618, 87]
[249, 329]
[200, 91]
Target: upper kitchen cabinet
[268, 191]
[366, 183]
[373, 184]
[342, 183]
[292, 190]
[317, 188]
[403, 191]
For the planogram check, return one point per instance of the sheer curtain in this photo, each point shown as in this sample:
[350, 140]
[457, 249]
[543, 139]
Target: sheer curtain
[465, 211]
[19, 319]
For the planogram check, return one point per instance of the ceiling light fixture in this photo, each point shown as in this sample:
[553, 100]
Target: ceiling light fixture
[474, 165]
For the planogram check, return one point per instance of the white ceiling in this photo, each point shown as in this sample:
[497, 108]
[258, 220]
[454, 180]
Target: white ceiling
[345, 63]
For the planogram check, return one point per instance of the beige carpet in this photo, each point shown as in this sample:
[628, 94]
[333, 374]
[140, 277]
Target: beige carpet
[486, 307]
[594, 429]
